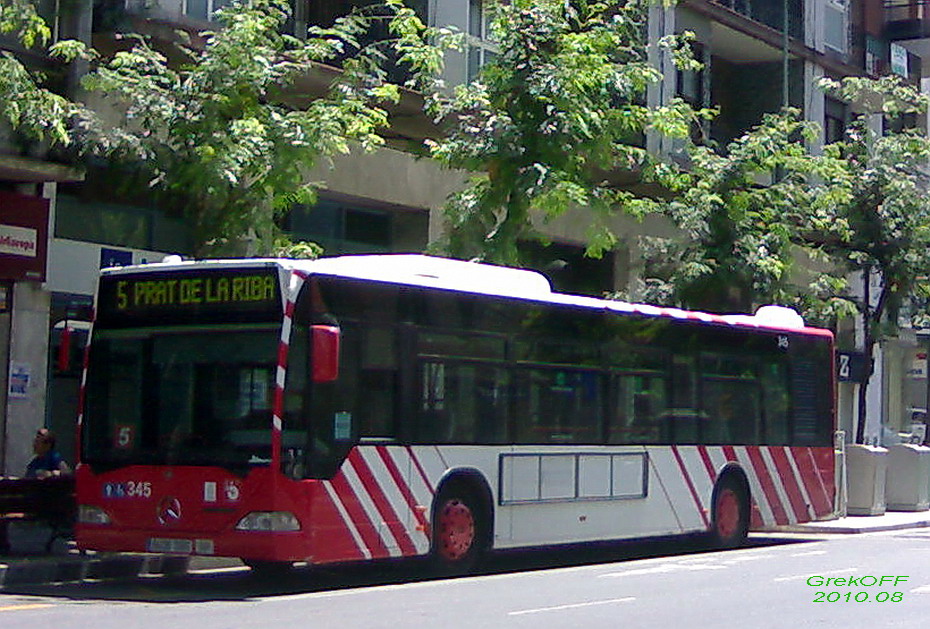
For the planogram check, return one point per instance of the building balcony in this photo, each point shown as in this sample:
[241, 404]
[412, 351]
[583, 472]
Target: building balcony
[907, 20]
[907, 23]
[772, 14]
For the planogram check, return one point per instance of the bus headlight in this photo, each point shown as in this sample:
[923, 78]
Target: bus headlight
[269, 521]
[89, 514]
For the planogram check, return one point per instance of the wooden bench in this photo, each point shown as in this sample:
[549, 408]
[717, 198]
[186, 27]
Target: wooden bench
[50, 501]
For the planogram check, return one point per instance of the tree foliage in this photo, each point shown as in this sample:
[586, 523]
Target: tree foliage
[224, 125]
[876, 182]
[25, 102]
[231, 132]
[859, 207]
[558, 111]
[739, 212]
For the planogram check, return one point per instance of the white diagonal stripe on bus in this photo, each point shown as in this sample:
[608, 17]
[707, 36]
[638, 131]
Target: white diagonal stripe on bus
[415, 491]
[395, 497]
[717, 458]
[817, 478]
[779, 484]
[789, 454]
[286, 330]
[431, 463]
[297, 280]
[368, 504]
[419, 487]
[702, 482]
[677, 482]
[391, 514]
[416, 482]
[421, 491]
[765, 509]
[346, 519]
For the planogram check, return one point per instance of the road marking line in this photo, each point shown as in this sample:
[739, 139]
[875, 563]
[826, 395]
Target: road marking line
[10, 608]
[849, 571]
[741, 558]
[923, 589]
[571, 606]
[663, 569]
[809, 553]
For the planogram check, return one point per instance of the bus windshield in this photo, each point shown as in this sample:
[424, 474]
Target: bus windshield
[186, 396]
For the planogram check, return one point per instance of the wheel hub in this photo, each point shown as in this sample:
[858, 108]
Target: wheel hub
[727, 513]
[456, 530]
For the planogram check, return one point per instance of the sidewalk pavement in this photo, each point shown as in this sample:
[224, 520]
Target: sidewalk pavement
[889, 521]
[73, 566]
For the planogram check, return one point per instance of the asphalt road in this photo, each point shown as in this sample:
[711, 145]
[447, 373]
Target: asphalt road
[776, 582]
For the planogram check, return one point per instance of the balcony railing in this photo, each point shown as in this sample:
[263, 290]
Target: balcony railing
[903, 10]
[771, 13]
[907, 19]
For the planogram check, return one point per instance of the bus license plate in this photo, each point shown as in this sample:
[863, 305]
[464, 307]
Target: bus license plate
[168, 545]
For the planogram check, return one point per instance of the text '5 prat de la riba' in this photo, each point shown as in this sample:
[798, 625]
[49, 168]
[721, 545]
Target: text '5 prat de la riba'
[194, 291]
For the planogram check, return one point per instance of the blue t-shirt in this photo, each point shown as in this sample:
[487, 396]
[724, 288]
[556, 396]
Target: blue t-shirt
[49, 462]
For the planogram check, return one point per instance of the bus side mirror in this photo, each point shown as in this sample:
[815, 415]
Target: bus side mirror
[325, 353]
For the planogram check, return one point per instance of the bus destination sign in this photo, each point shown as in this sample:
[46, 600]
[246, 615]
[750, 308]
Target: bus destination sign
[195, 290]
[190, 296]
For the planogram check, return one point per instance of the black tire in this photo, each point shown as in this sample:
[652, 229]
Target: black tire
[461, 529]
[268, 570]
[730, 512]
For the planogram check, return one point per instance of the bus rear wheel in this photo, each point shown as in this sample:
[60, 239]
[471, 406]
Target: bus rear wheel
[460, 529]
[730, 521]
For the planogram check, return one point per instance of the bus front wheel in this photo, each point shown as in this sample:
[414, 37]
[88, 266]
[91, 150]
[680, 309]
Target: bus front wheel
[730, 515]
[461, 531]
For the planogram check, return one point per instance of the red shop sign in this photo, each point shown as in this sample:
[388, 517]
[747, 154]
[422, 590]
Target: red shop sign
[23, 237]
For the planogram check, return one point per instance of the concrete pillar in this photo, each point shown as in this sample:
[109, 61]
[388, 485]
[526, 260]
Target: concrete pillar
[28, 363]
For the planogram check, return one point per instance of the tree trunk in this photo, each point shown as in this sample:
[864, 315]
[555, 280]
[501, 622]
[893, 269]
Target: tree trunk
[870, 319]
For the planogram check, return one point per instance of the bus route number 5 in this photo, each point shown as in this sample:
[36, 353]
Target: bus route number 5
[125, 437]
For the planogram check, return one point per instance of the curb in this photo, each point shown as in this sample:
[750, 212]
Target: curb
[76, 569]
[849, 529]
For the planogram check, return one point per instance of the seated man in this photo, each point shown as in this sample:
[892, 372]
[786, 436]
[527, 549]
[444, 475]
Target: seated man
[46, 462]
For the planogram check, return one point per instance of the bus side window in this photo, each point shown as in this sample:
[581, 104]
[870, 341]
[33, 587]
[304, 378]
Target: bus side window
[776, 397]
[640, 406]
[683, 419]
[462, 402]
[559, 405]
[377, 381]
[730, 399]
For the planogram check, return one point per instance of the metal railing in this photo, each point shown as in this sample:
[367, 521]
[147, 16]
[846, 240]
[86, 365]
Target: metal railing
[906, 10]
[771, 13]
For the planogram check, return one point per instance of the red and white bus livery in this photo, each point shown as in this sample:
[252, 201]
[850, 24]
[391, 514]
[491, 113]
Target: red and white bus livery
[366, 407]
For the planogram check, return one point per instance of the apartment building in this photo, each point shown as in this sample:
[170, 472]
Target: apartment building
[758, 55]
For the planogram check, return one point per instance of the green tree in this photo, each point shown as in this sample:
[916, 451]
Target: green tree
[875, 182]
[740, 214]
[230, 133]
[226, 130]
[551, 121]
[25, 103]
[767, 221]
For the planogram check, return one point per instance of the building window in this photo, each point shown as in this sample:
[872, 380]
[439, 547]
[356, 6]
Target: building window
[203, 9]
[348, 225]
[834, 121]
[481, 48]
[835, 25]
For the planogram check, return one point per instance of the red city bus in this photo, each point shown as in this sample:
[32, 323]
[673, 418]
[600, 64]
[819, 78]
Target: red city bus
[366, 407]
